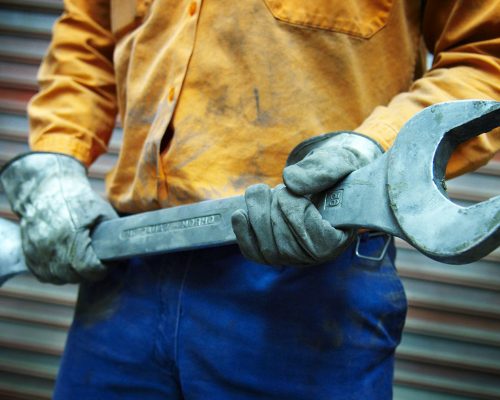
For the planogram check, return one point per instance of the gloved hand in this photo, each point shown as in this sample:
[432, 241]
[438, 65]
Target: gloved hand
[52, 196]
[282, 226]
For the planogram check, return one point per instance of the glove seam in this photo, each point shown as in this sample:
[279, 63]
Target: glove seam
[29, 153]
[63, 194]
[317, 140]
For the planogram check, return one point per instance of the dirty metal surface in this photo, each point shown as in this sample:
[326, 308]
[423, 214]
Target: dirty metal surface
[403, 192]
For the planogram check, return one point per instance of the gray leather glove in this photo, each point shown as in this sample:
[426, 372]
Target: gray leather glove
[282, 226]
[52, 196]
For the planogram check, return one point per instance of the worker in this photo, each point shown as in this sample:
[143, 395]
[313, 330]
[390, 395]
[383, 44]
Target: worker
[281, 97]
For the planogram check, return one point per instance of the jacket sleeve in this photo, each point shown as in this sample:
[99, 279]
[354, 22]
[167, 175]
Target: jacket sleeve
[464, 38]
[75, 109]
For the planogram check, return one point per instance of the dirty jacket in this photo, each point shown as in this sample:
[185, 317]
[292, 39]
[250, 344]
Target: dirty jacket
[212, 95]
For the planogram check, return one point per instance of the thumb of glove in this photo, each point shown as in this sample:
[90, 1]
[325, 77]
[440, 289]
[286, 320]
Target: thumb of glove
[331, 157]
[319, 171]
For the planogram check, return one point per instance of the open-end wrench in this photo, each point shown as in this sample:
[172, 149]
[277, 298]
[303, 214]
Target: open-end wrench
[402, 193]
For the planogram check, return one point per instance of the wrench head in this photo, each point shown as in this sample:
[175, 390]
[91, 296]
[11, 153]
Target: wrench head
[432, 223]
[11, 255]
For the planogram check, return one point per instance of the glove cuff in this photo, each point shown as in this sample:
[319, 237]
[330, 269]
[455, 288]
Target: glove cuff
[23, 175]
[358, 142]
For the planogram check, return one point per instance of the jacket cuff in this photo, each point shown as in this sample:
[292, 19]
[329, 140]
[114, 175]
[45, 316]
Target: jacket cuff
[64, 144]
[382, 126]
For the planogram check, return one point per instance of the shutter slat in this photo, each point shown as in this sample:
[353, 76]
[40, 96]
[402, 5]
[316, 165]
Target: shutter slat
[19, 309]
[20, 22]
[464, 300]
[32, 337]
[454, 326]
[449, 352]
[481, 274]
[15, 75]
[42, 5]
[22, 49]
[27, 287]
[13, 386]
[14, 100]
[454, 382]
[406, 392]
[29, 364]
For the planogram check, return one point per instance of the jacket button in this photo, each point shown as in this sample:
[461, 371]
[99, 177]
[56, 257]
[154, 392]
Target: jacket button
[192, 8]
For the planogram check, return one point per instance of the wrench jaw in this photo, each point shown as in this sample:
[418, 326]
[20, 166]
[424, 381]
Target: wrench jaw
[461, 240]
[430, 221]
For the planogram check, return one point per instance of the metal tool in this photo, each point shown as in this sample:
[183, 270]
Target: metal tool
[11, 253]
[402, 193]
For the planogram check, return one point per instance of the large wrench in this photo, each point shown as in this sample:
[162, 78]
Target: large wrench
[402, 193]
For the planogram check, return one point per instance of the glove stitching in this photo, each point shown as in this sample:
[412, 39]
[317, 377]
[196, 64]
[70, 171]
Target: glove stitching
[71, 248]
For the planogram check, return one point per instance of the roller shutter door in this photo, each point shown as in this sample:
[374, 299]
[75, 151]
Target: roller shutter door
[451, 343]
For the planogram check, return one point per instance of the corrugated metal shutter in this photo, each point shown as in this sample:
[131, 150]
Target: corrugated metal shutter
[34, 318]
[451, 345]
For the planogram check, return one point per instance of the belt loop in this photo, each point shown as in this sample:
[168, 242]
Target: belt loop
[382, 254]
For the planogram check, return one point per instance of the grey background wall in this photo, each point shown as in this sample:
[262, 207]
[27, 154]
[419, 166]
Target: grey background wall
[451, 344]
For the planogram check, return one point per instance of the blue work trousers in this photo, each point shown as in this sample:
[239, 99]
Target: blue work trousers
[211, 325]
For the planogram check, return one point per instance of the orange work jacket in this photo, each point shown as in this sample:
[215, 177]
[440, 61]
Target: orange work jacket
[214, 94]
